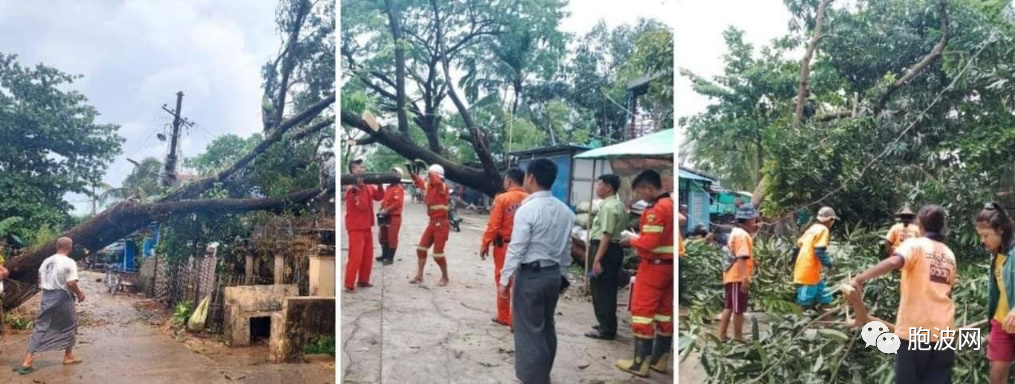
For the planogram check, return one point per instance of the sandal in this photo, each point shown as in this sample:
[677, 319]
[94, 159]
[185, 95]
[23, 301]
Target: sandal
[595, 334]
[22, 370]
[72, 362]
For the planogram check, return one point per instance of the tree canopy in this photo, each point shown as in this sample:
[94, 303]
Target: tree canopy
[461, 83]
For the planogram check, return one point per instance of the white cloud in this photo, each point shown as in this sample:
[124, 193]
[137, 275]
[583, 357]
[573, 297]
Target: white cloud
[135, 55]
[699, 44]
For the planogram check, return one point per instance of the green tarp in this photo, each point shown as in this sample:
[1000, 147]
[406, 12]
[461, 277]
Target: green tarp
[659, 144]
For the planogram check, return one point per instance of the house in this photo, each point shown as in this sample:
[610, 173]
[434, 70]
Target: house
[695, 190]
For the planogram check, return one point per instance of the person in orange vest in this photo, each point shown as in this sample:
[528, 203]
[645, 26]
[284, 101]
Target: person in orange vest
[652, 299]
[436, 197]
[391, 214]
[359, 217]
[904, 230]
[498, 234]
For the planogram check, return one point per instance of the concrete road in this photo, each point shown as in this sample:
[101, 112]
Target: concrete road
[400, 333]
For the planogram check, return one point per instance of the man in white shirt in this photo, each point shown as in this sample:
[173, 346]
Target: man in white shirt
[538, 258]
[56, 326]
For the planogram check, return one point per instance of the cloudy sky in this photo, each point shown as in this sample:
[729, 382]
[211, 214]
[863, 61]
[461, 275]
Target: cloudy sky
[699, 45]
[136, 54]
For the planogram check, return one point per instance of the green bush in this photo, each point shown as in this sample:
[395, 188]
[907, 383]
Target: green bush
[320, 345]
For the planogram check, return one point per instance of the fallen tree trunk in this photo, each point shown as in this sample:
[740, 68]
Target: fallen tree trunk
[371, 178]
[471, 177]
[121, 220]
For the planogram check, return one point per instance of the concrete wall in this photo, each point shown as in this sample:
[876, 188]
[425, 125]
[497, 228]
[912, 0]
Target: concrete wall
[299, 319]
[322, 274]
[246, 301]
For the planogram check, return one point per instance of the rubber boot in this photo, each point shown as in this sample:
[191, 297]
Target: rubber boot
[384, 253]
[389, 256]
[661, 353]
[640, 365]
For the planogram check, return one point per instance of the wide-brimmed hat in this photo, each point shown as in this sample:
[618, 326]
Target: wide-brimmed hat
[826, 214]
[746, 212]
[905, 211]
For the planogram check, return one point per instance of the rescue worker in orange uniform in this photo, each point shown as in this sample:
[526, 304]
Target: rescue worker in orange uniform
[652, 300]
[359, 217]
[498, 234]
[391, 215]
[436, 197]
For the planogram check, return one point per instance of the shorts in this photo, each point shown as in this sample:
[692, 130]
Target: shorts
[813, 294]
[735, 298]
[1000, 344]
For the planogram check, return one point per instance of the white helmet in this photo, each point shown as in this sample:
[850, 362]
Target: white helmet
[438, 169]
[398, 171]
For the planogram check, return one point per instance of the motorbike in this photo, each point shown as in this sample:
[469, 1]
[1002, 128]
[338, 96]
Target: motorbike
[454, 218]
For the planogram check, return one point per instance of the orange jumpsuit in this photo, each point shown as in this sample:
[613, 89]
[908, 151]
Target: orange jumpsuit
[359, 217]
[498, 233]
[392, 203]
[436, 198]
[652, 301]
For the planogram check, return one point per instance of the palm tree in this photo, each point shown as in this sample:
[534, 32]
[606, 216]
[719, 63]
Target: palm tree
[142, 183]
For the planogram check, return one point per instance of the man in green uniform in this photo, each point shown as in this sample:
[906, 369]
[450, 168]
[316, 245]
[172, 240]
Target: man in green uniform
[608, 256]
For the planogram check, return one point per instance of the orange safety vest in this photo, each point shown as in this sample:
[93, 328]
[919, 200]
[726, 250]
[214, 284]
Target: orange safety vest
[502, 218]
[655, 239]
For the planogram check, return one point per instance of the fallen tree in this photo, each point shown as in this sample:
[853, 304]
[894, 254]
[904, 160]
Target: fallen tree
[126, 217]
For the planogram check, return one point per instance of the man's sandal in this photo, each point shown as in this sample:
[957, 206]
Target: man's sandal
[22, 370]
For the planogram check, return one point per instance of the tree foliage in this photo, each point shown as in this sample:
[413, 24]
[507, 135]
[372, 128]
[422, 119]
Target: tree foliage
[52, 144]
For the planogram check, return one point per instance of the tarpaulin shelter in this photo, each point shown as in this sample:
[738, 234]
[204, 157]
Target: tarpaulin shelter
[627, 159]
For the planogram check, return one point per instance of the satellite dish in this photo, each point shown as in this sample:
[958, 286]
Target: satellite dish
[161, 137]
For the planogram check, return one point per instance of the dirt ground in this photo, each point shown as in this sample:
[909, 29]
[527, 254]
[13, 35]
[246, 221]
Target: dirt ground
[401, 333]
[124, 339]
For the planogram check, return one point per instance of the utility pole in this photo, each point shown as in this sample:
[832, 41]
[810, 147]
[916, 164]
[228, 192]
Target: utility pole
[169, 176]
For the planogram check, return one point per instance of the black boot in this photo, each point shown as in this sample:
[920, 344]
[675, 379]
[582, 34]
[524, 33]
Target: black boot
[384, 253]
[661, 354]
[640, 365]
[389, 256]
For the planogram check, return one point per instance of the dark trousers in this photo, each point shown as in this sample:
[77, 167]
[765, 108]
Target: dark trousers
[604, 287]
[533, 305]
[923, 367]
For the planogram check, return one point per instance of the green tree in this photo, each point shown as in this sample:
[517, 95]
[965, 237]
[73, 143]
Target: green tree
[52, 144]
[222, 152]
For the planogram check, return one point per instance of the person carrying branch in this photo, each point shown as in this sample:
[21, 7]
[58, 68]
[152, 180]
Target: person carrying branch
[359, 218]
[437, 199]
[811, 254]
[928, 275]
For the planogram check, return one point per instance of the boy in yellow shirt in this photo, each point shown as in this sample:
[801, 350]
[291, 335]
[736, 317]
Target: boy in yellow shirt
[738, 266]
[904, 230]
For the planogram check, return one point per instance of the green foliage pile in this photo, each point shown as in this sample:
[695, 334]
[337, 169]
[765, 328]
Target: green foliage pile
[784, 345]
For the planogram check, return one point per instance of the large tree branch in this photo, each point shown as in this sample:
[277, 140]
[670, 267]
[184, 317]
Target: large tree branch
[396, 34]
[915, 69]
[805, 64]
[126, 217]
[471, 177]
[482, 150]
[195, 188]
[312, 129]
[289, 63]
